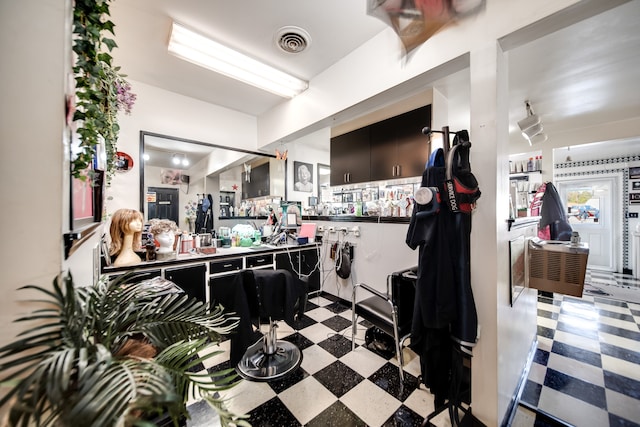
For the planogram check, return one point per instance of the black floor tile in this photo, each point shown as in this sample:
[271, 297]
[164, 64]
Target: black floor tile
[576, 353]
[336, 345]
[388, 379]
[299, 340]
[280, 385]
[404, 417]
[338, 378]
[616, 315]
[546, 332]
[586, 331]
[337, 415]
[620, 353]
[587, 392]
[621, 384]
[337, 307]
[547, 314]
[531, 393]
[303, 322]
[273, 413]
[621, 332]
[541, 357]
[616, 421]
[337, 323]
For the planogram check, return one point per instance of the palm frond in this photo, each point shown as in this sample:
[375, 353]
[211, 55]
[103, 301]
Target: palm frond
[71, 368]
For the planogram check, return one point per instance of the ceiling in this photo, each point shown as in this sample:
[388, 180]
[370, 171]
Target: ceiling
[580, 76]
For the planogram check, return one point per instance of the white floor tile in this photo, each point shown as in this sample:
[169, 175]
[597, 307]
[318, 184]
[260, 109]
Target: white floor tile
[577, 341]
[363, 398]
[572, 410]
[619, 341]
[524, 418]
[248, 395]
[420, 402]
[623, 324]
[537, 372]
[576, 369]
[363, 361]
[613, 308]
[547, 323]
[621, 367]
[307, 399]
[319, 314]
[623, 406]
[317, 332]
[545, 343]
[315, 358]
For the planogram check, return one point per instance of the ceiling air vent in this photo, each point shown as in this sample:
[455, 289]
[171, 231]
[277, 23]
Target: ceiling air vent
[292, 39]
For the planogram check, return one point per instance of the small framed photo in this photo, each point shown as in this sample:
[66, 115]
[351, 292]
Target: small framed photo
[635, 185]
[634, 198]
[634, 173]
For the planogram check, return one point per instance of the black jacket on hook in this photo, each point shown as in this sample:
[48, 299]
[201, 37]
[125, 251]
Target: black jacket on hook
[444, 310]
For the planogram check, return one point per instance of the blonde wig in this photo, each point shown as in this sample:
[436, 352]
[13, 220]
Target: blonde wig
[120, 222]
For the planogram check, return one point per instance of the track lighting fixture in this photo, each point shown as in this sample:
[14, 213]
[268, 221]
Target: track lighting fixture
[531, 126]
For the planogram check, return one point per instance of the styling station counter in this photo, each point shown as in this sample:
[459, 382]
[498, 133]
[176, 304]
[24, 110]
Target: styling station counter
[195, 273]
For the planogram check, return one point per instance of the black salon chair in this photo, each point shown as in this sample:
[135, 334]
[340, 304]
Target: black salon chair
[272, 296]
[391, 311]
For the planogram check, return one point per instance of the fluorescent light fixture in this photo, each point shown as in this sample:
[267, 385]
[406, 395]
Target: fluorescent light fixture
[209, 54]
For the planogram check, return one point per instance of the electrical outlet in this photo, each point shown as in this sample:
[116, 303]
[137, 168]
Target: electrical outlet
[633, 214]
[356, 231]
[343, 229]
[321, 229]
[332, 230]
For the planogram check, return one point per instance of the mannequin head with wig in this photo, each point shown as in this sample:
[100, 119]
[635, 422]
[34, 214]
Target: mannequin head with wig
[125, 222]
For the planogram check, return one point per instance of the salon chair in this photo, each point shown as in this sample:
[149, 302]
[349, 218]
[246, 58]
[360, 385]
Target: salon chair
[391, 311]
[272, 296]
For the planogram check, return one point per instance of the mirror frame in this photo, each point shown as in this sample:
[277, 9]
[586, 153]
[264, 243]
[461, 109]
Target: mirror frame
[320, 166]
[144, 134]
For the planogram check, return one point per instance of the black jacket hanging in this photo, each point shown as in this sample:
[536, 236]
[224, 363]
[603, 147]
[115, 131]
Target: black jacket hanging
[444, 309]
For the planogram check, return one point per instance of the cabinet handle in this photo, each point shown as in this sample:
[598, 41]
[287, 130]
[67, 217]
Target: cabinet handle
[348, 176]
[227, 265]
[398, 171]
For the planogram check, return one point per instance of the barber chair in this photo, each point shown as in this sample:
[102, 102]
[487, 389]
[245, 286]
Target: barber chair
[272, 295]
[391, 311]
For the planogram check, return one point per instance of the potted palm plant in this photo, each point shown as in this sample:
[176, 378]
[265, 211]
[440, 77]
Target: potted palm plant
[119, 353]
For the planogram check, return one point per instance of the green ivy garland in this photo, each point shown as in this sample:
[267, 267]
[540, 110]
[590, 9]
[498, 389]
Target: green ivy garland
[100, 89]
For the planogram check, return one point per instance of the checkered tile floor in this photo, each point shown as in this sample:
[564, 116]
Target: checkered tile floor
[586, 370]
[334, 385]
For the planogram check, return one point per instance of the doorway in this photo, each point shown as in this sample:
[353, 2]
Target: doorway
[163, 203]
[591, 212]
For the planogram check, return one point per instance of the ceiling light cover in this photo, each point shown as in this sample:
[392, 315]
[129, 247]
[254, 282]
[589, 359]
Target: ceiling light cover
[528, 122]
[209, 54]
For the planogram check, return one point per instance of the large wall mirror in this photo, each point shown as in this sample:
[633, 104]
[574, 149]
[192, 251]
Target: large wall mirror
[179, 177]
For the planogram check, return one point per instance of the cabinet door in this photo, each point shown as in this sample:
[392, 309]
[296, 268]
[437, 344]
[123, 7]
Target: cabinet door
[399, 149]
[384, 151]
[350, 157]
[289, 261]
[412, 146]
[309, 267]
[191, 279]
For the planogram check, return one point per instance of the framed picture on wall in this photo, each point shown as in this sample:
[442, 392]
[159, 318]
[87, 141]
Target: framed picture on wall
[303, 177]
[634, 198]
[635, 185]
[634, 173]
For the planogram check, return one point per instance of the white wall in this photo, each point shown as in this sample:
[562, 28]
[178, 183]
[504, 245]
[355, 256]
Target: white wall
[35, 49]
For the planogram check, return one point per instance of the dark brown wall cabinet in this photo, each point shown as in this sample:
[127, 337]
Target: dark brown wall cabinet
[392, 148]
[350, 157]
[399, 149]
